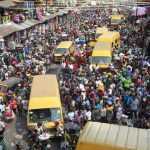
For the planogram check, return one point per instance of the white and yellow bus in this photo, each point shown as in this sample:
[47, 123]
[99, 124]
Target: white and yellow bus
[45, 104]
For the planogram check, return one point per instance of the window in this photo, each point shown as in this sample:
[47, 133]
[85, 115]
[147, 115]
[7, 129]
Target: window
[115, 41]
[61, 50]
[100, 60]
[45, 114]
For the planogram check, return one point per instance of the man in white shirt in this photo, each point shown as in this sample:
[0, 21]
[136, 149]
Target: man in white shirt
[71, 115]
[63, 65]
[103, 114]
[88, 114]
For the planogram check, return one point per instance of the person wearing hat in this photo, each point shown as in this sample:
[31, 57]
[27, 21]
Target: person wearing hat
[59, 128]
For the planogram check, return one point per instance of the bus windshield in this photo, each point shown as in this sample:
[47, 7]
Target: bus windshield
[46, 114]
[60, 50]
[100, 60]
[115, 21]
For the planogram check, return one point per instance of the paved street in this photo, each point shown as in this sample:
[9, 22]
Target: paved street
[18, 125]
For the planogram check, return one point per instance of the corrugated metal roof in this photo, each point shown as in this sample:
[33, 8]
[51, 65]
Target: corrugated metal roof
[12, 27]
[34, 22]
[6, 4]
[24, 26]
[50, 16]
[8, 28]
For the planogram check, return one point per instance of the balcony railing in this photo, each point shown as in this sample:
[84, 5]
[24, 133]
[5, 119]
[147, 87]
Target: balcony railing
[5, 19]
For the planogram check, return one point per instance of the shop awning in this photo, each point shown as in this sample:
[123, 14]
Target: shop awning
[50, 16]
[24, 26]
[35, 22]
[29, 23]
[6, 4]
[8, 28]
[17, 1]
[60, 13]
[64, 11]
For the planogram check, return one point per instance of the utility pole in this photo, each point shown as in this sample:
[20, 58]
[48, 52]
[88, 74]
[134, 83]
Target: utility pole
[136, 9]
[113, 3]
[46, 6]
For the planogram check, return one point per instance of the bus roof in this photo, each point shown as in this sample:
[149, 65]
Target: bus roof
[101, 30]
[65, 44]
[102, 46]
[114, 136]
[44, 88]
[114, 9]
[101, 53]
[108, 35]
[116, 17]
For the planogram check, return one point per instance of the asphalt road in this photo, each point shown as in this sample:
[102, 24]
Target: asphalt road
[18, 125]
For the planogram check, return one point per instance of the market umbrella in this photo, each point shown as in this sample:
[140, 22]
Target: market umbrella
[138, 11]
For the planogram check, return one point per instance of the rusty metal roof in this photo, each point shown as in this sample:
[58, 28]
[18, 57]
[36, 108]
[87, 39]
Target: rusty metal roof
[6, 4]
[8, 28]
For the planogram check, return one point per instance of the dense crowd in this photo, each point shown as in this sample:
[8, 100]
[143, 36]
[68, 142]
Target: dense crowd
[118, 95]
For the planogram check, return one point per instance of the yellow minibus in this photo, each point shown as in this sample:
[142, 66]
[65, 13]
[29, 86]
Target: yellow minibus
[101, 58]
[9, 84]
[104, 136]
[115, 20]
[113, 37]
[45, 104]
[103, 46]
[64, 47]
[100, 31]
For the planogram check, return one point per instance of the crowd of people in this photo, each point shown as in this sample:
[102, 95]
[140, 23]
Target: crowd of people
[119, 95]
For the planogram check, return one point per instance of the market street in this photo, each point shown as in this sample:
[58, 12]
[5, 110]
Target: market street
[68, 76]
[18, 125]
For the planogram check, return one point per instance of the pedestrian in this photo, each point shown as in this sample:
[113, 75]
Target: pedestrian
[2, 127]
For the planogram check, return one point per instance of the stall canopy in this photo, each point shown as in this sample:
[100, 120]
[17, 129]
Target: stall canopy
[6, 4]
[50, 16]
[138, 11]
[8, 28]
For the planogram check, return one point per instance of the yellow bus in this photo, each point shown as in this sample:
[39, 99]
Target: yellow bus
[102, 54]
[103, 46]
[64, 47]
[115, 20]
[45, 104]
[113, 37]
[100, 31]
[104, 136]
[9, 84]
